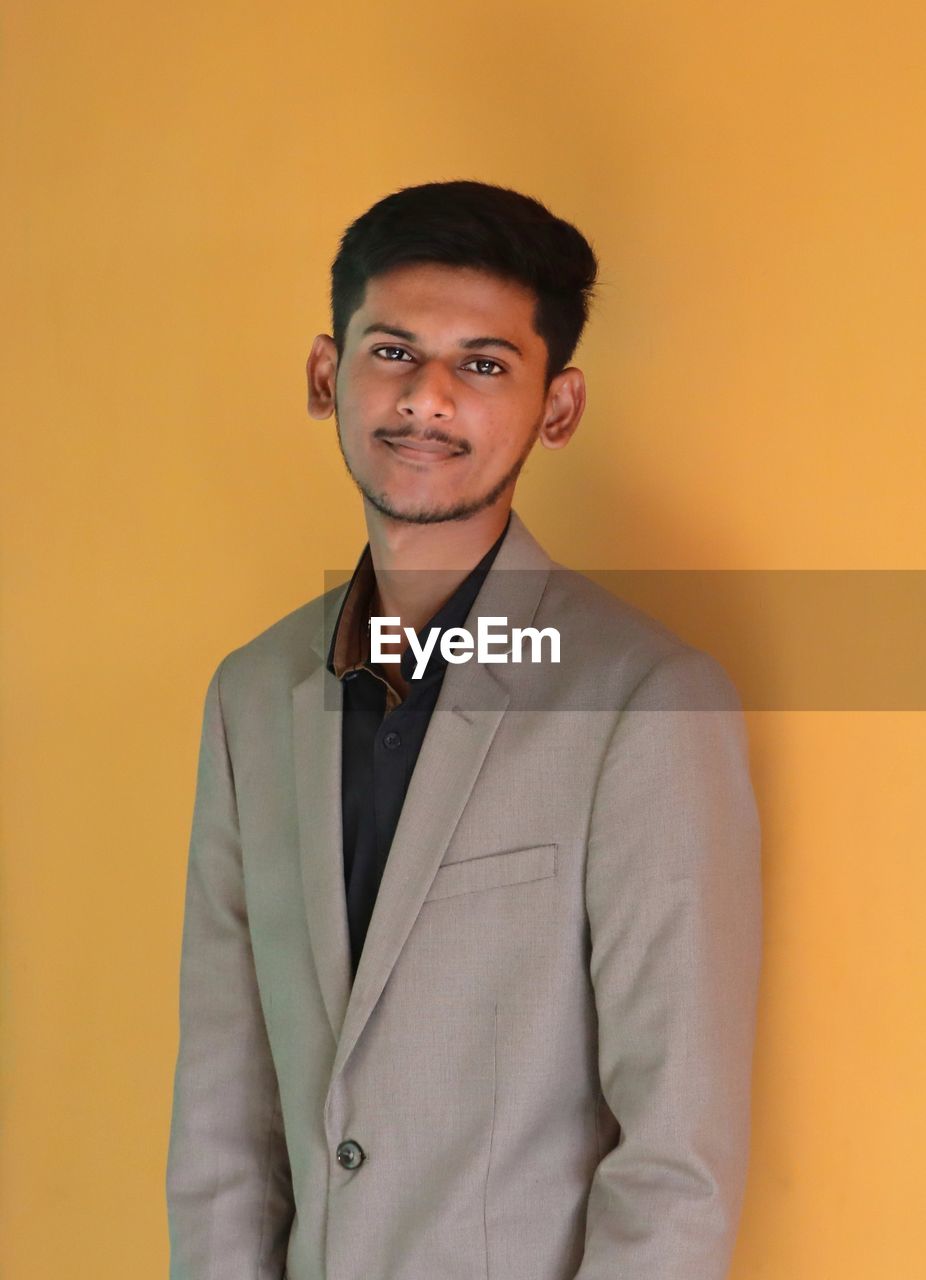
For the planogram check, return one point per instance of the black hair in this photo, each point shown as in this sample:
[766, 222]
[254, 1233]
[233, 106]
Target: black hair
[473, 224]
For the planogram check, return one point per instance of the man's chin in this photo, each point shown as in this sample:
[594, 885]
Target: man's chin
[423, 515]
[408, 512]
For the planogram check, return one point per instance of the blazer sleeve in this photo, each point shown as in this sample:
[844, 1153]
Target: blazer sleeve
[673, 896]
[229, 1191]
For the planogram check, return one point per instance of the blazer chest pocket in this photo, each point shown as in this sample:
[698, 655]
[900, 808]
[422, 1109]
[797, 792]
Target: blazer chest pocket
[491, 871]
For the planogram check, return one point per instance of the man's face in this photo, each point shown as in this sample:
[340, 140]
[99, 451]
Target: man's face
[439, 393]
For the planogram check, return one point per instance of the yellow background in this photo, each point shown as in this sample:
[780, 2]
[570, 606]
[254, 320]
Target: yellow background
[175, 178]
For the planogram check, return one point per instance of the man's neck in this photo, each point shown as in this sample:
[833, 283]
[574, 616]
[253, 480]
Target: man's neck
[441, 554]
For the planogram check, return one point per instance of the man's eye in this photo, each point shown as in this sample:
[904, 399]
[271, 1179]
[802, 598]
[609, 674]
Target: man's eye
[485, 360]
[380, 350]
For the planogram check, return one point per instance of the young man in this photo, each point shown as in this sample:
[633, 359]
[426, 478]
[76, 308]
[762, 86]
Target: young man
[471, 947]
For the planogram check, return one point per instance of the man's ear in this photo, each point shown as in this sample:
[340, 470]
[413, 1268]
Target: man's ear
[321, 370]
[564, 408]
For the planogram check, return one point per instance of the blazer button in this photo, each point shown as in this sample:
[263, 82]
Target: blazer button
[350, 1154]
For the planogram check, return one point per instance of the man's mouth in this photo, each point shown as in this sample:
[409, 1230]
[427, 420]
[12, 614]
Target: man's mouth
[422, 450]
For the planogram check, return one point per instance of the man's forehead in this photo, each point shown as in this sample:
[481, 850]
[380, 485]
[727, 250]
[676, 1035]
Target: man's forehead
[444, 299]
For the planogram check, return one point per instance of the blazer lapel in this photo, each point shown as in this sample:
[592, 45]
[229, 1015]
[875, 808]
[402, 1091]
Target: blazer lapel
[317, 709]
[472, 702]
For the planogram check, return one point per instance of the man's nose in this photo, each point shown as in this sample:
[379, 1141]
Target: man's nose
[428, 394]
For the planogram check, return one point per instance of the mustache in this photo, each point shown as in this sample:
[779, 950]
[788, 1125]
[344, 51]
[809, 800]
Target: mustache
[407, 433]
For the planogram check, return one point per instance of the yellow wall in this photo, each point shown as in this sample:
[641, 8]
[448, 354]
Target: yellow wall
[176, 177]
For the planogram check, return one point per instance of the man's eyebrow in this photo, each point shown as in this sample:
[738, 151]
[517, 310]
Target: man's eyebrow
[468, 344]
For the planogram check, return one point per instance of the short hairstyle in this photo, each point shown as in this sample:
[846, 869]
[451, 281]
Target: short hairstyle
[473, 224]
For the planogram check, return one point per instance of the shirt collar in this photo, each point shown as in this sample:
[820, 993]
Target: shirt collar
[349, 649]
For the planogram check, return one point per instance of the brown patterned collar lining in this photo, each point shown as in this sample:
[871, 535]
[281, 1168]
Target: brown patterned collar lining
[352, 642]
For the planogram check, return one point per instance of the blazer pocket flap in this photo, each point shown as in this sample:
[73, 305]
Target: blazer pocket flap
[490, 871]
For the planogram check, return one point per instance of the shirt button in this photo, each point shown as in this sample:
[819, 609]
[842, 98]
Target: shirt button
[350, 1154]
[392, 740]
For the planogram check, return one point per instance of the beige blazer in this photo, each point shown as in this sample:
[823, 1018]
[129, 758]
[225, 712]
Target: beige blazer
[542, 1070]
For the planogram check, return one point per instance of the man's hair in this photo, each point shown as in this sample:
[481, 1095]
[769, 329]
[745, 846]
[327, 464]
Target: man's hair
[478, 225]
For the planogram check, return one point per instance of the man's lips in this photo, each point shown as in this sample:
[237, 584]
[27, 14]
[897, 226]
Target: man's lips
[423, 450]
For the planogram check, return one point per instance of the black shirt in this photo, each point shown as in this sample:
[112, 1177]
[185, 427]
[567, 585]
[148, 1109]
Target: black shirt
[382, 733]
